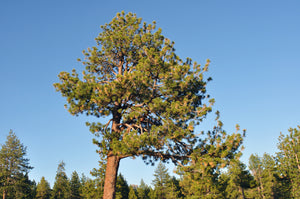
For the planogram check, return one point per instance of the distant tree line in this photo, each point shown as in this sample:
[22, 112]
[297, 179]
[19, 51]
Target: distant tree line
[214, 171]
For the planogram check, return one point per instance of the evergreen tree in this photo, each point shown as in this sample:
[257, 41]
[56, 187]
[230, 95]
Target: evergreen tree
[122, 188]
[143, 190]
[99, 175]
[151, 97]
[213, 153]
[43, 190]
[161, 181]
[264, 172]
[239, 179]
[13, 165]
[75, 186]
[173, 190]
[61, 188]
[270, 177]
[89, 189]
[255, 166]
[152, 194]
[289, 160]
[25, 188]
[132, 194]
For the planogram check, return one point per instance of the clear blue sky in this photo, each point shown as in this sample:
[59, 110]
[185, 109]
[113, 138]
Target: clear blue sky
[254, 47]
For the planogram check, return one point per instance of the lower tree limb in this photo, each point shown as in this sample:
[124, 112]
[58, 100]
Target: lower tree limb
[111, 173]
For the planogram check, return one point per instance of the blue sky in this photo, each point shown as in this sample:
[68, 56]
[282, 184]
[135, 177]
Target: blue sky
[254, 47]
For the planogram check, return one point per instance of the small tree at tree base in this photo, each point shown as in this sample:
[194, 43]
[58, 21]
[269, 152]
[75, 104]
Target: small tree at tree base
[151, 97]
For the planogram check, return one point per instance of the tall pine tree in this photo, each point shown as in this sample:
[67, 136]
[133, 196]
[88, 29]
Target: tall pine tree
[151, 97]
[122, 188]
[132, 194]
[43, 190]
[14, 166]
[289, 159]
[89, 188]
[143, 190]
[75, 186]
[239, 180]
[61, 188]
[161, 181]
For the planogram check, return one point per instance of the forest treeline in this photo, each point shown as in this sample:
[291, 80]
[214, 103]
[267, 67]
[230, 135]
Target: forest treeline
[264, 177]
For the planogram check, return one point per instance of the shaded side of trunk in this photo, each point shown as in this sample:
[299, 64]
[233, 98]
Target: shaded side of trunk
[111, 173]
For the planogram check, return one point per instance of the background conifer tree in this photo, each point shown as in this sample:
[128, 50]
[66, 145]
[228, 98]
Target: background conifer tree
[239, 179]
[122, 187]
[151, 97]
[75, 186]
[265, 173]
[132, 193]
[289, 159]
[89, 188]
[25, 188]
[14, 167]
[200, 179]
[161, 181]
[61, 188]
[43, 190]
[143, 190]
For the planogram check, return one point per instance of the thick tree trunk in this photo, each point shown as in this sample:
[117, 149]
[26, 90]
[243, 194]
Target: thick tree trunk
[4, 194]
[111, 173]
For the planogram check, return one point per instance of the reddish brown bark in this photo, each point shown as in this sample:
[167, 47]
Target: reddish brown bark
[112, 167]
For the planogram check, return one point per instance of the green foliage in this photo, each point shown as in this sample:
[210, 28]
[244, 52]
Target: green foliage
[238, 180]
[89, 189]
[75, 186]
[132, 194]
[122, 188]
[99, 175]
[43, 190]
[213, 153]
[151, 97]
[143, 190]
[161, 181]
[61, 188]
[289, 160]
[173, 189]
[14, 168]
[266, 175]
[25, 188]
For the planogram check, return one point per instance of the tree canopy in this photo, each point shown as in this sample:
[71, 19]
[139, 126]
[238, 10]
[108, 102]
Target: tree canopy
[14, 166]
[151, 97]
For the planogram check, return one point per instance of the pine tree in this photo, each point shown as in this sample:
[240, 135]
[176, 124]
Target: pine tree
[99, 175]
[151, 97]
[43, 190]
[289, 160]
[152, 194]
[122, 187]
[75, 186]
[173, 189]
[61, 188]
[239, 179]
[161, 180]
[200, 178]
[25, 188]
[13, 165]
[89, 188]
[132, 194]
[264, 172]
[143, 190]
